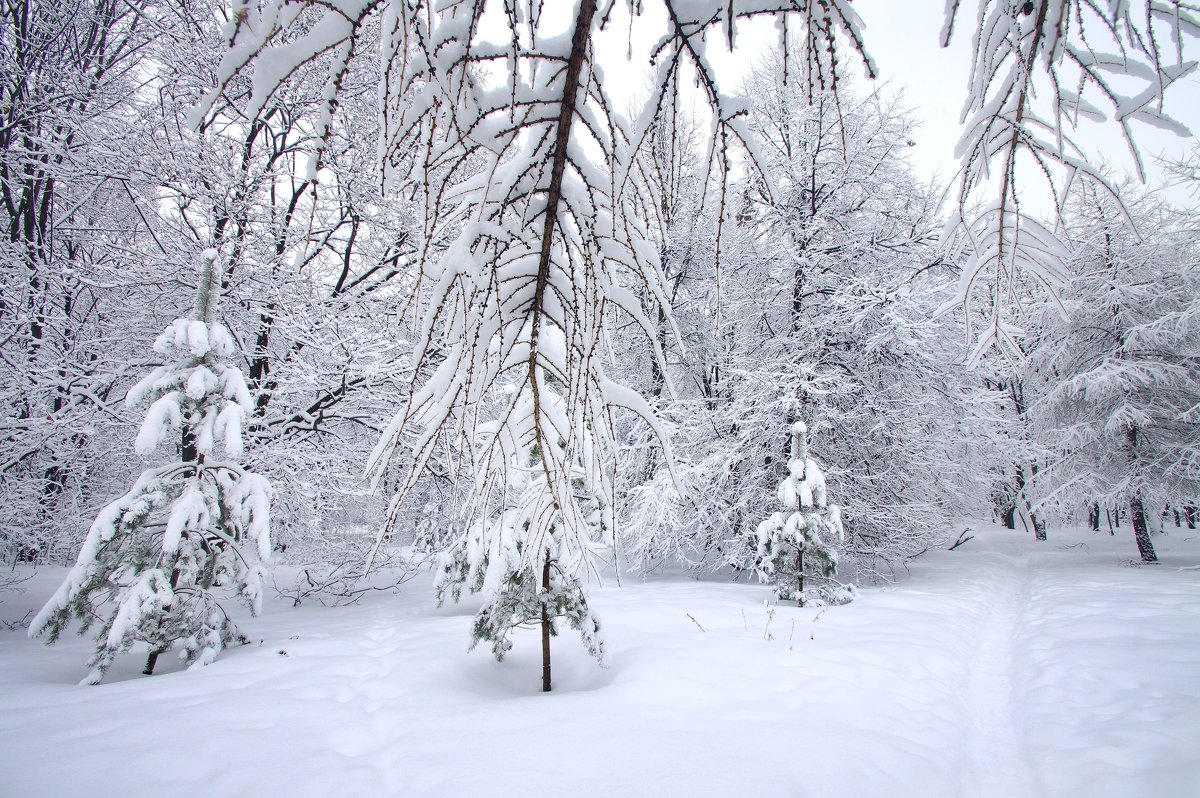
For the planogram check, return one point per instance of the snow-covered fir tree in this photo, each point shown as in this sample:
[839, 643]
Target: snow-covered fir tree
[794, 545]
[522, 559]
[150, 562]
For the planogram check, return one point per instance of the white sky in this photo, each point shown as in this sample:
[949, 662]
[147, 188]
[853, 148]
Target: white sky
[902, 38]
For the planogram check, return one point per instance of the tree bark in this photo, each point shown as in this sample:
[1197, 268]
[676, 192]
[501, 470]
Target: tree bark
[151, 661]
[546, 621]
[1039, 527]
[799, 577]
[1141, 531]
[1137, 512]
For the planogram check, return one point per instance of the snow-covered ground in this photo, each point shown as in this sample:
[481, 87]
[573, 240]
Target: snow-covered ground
[1004, 668]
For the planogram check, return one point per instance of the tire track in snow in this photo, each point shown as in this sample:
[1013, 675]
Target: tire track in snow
[999, 763]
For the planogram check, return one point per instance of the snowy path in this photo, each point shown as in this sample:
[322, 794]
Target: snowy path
[999, 760]
[1001, 669]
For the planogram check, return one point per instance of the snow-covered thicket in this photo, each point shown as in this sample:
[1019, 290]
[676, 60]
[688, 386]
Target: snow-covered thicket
[829, 276]
[154, 559]
[67, 74]
[115, 198]
[552, 332]
[1118, 380]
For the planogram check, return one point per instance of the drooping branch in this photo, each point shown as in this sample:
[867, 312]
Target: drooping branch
[566, 117]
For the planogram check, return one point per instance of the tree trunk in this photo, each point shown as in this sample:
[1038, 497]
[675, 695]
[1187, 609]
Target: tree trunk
[1094, 516]
[1039, 527]
[188, 454]
[187, 446]
[152, 660]
[1189, 516]
[546, 620]
[799, 576]
[1141, 532]
[1137, 512]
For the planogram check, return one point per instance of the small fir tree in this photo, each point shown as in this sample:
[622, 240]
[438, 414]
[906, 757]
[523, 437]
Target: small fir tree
[794, 545]
[150, 562]
[520, 559]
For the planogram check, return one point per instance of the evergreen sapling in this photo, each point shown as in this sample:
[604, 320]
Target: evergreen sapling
[150, 563]
[795, 554]
[520, 559]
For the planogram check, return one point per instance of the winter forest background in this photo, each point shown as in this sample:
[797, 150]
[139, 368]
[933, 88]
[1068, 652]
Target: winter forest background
[339, 337]
[467, 297]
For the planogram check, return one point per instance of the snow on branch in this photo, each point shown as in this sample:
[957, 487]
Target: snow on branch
[1067, 50]
[533, 237]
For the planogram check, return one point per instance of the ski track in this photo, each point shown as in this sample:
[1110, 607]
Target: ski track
[998, 761]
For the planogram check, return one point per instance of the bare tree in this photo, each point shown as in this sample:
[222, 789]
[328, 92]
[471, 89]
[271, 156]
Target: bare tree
[66, 79]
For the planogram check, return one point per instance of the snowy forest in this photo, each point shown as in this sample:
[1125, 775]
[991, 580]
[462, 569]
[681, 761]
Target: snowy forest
[524, 310]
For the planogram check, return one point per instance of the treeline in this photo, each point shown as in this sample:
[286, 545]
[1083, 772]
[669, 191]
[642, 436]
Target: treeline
[803, 285]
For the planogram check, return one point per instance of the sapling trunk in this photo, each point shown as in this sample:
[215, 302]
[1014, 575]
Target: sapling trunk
[154, 655]
[189, 455]
[546, 625]
[799, 576]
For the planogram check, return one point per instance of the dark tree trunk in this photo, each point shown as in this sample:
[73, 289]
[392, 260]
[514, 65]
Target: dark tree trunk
[1094, 516]
[1137, 512]
[1189, 516]
[799, 576]
[1039, 527]
[1141, 531]
[546, 621]
[188, 454]
[188, 447]
[1010, 517]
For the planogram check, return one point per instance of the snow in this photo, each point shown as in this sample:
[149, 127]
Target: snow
[1003, 668]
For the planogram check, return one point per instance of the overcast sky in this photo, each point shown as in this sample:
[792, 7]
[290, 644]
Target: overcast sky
[902, 38]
